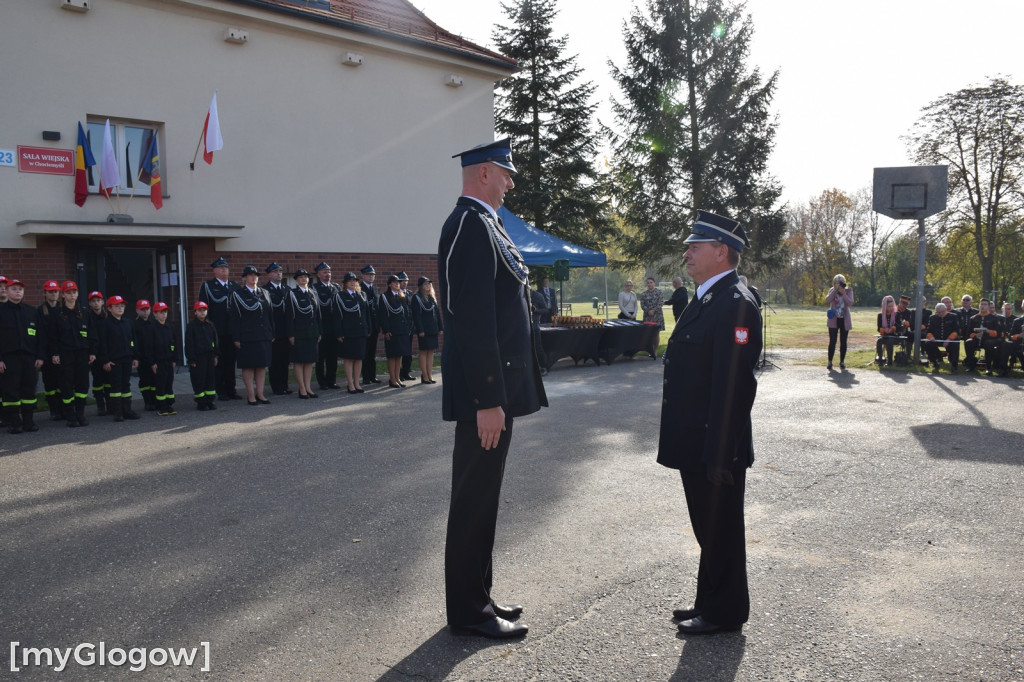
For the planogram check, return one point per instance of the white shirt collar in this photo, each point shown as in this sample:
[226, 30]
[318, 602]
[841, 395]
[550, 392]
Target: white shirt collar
[490, 209]
[703, 288]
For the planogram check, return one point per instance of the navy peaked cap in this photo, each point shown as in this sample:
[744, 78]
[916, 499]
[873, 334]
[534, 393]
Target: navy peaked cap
[498, 152]
[220, 262]
[273, 266]
[368, 270]
[715, 228]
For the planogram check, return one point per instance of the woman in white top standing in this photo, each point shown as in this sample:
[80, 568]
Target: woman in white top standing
[627, 303]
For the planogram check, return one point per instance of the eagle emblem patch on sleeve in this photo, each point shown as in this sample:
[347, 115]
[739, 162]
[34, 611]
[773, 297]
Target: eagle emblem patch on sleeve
[742, 335]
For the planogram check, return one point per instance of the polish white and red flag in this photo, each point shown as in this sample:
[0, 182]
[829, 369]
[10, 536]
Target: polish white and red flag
[212, 140]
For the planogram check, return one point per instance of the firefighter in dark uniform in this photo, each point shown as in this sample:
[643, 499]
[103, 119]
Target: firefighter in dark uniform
[216, 293]
[202, 349]
[100, 376]
[117, 355]
[327, 350]
[72, 348]
[147, 378]
[251, 325]
[965, 312]
[943, 331]
[706, 432]
[988, 339]
[405, 374]
[159, 357]
[21, 354]
[366, 277]
[281, 349]
[50, 371]
[491, 376]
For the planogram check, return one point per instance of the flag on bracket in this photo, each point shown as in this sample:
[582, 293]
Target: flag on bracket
[110, 177]
[83, 160]
[212, 141]
[149, 170]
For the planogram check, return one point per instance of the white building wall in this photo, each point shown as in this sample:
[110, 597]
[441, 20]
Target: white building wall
[317, 155]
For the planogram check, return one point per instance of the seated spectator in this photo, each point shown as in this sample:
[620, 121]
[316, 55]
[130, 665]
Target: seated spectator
[889, 325]
[1013, 346]
[986, 332]
[942, 333]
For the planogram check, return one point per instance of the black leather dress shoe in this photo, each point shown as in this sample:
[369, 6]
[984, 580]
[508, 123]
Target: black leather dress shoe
[495, 628]
[507, 611]
[685, 614]
[698, 626]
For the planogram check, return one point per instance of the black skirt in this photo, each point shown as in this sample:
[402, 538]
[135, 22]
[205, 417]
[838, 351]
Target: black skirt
[304, 351]
[399, 345]
[427, 342]
[352, 348]
[254, 354]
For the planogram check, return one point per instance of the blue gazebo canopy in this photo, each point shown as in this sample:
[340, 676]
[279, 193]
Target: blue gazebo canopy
[540, 248]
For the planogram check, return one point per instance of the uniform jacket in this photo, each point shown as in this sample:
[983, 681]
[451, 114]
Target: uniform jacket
[943, 328]
[678, 301]
[302, 320]
[354, 314]
[709, 385]
[278, 301]
[117, 341]
[159, 343]
[394, 315]
[372, 298]
[217, 295]
[250, 316]
[993, 323]
[965, 315]
[489, 357]
[19, 332]
[73, 329]
[426, 316]
[200, 339]
[140, 328]
[328, 313]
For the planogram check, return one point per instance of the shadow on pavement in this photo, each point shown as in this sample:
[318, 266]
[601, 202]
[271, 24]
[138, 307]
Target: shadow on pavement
[437, 657]
[711, 658]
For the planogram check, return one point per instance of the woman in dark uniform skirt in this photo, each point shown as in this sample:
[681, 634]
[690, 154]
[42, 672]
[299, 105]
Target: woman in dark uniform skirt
[353, 329]
[302, 314]
[426, 318]
[396, 323]
[251, 324]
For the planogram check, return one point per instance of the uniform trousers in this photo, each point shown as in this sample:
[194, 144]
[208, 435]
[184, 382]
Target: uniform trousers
[147, 384]
[990, 346]
[280, 352]
[100, 380]
[163, 382]
[327, 361]
[18, 388]
[204, 383]
[472, 516]
[716, 515]
[370, 359]
[74, 376]
[121, 379]
[932, 348]
[225, 371]
[1012, 350]
[51, 383]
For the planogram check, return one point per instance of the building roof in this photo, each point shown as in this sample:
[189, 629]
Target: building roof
[396, 19]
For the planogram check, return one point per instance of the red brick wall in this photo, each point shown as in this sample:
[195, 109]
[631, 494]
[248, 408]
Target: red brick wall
[49, 260]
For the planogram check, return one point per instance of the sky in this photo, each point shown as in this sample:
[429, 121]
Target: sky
[853, 77]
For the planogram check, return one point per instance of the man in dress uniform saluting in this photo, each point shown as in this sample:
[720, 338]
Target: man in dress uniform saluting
[706, 433]
[327, 351]
[491, 375]
[281, 348]
[216, 293]
[366, 277]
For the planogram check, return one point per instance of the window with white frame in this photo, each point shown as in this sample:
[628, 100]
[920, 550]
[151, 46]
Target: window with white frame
[129, 141]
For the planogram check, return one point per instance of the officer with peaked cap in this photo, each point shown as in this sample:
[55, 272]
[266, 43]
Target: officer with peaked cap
[490, 376]
[327, 350]
[216, 293]
[709, 389]
[280, 349]
[405, 373]
[366, 276]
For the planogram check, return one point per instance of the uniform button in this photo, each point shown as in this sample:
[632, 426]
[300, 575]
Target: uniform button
[508, 364]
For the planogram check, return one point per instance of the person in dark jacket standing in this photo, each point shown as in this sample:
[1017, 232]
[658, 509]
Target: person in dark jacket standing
[327, 351]
[353, 326]
[117, 355]
[100, 376]
[251, 325]
[303, 329]
[426, 320]
[160, 359]
[140, 327]
[20, 357]
[216, 293]
[202, 348]
[73, 348]
[491, 376]
[406, 371]
[367, 275]
[706, 432]
[396, 323]
[679, 298]
[280, 349]
[50, 372]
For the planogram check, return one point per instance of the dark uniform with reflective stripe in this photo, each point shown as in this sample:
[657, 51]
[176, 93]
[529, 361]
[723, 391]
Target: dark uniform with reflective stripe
[202, 347]
[217, 296]
[19, 350]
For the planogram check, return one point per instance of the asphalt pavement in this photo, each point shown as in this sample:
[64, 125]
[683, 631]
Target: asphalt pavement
[303, 540]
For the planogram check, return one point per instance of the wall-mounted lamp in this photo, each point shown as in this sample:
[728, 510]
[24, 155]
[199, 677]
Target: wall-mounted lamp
[352, 59]
[51, 135]
[235, 35]
[74, 5]
[453, 81]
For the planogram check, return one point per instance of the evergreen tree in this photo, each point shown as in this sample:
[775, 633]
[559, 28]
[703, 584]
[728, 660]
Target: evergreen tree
[696, 131]
[548, 114]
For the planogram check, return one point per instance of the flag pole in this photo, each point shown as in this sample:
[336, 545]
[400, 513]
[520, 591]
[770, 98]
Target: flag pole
[192, 166]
